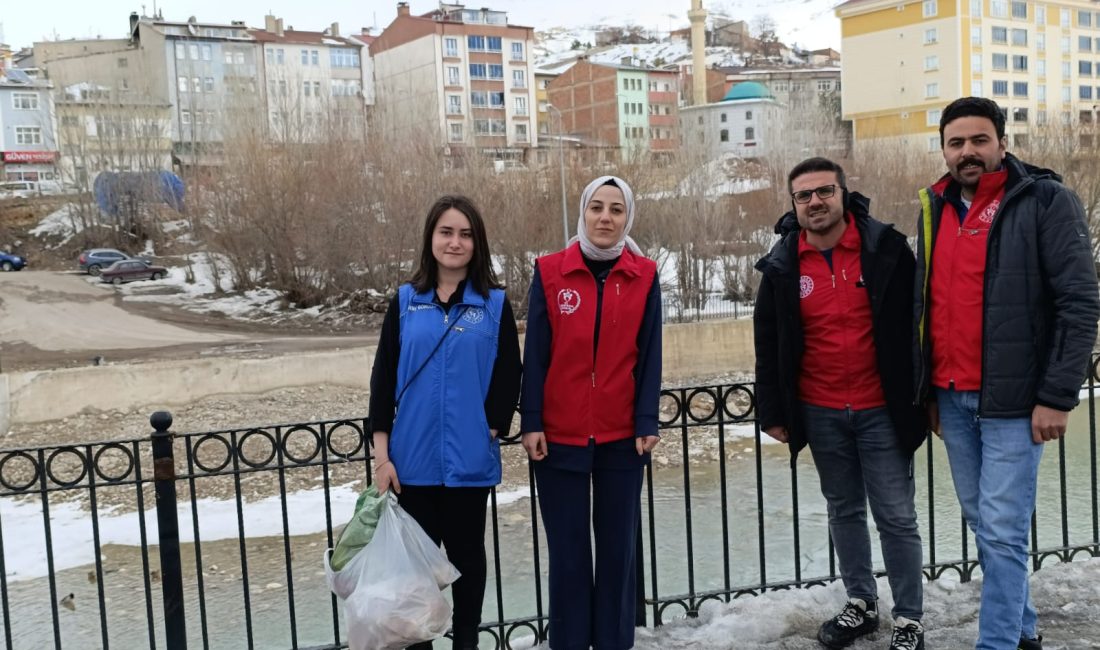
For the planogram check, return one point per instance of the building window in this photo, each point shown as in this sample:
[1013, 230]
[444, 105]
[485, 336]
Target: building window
[1019, 62]
[1084, 44]
[1000, 35]
[998, 8]
[1041, 42]
[1040, 117]
[453, 76]
[824, 85]
[626, 84]
[479, 98]
[282, 87]
[207, 53]
[1084, 68]
[1041, 16]
[1064, 15]
[1000, 88]
[930, 62]
[280, 56]
[1084, 18]
[1019, 89]
[1019, 10]
[24, 101]
[477, 70]
[520, 104]
[193, 49]
[1019, 37]
[933, 143]
[930, 36]
[208, 84]
[185, 116]
[976, 88]
[750, 133]
[494, 43]
[496, 71]
[930, 9]
[28, 135]
[521, 133]
[498, 127]
[182, 84]
[228, 57]
[976, 36]
[305, 57]
[1019, 115]
[481, 127]
[517, 51]
[519, 78]
[1066, 94]
[1041, 92]
[454, 104]
[305, 88]
[1085, 92]
[475, 43]
[181, 51]
[724, 135]
[722, 117]
[748, 115]
[932, 90]
[196, 84]
[496, 99]
[1041, 67]
[1019, 140]
[976, 8]
[314, 57]
[975, 62]
[450, 47]
[932, 117]
[1000, 61]
[456, 131]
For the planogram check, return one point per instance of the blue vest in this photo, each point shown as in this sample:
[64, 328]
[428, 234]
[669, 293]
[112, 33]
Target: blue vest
[440, 434]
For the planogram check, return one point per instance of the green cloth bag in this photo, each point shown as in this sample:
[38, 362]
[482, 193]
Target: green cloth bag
[360, 530]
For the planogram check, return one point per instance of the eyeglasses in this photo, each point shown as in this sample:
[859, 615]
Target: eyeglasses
[823, 192]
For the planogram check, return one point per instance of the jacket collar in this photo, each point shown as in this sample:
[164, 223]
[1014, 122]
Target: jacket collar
[574, 261]
[470, 296]
[1017, 169]
[784, 255]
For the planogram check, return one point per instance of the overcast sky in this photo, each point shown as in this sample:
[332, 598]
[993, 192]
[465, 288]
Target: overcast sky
[809, 23]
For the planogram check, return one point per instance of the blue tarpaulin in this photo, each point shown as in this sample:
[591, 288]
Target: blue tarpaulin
[117, 191]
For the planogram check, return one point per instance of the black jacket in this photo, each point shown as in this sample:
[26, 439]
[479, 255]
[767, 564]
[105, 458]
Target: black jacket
[1040, 303]
[888, 267]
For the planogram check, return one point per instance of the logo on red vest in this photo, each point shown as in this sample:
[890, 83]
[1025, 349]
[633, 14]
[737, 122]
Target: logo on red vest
[569, 301]
[987, 214]
[805, 286]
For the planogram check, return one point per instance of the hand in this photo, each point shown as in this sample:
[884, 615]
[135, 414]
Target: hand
[535, 444]
[493, 433]
[778, 432]
[933, 409]
[385, 477]
[1047, 424]
[645, 444]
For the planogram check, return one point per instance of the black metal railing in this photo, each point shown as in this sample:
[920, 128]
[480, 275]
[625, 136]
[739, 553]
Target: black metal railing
[238, 558]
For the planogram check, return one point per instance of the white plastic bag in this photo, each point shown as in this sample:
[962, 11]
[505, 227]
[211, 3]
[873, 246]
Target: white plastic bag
[392, 587]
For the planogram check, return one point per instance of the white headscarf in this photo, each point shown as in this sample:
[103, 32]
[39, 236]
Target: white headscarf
[592, 251]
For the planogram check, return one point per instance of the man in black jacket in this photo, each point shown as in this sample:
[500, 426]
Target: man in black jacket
[1006, 309]
[833, 328]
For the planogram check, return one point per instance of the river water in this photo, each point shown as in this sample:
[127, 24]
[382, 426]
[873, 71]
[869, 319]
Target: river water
[752, 548]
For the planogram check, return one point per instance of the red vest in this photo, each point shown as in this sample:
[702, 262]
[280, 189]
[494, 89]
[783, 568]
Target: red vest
[839, 365]
[584, 397]
[958, 286]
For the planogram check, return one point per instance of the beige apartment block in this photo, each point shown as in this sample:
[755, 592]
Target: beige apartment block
[904, 60]
[462, 75]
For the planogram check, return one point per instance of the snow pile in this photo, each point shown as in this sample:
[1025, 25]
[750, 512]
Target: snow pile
[62, 222]
[554, 52]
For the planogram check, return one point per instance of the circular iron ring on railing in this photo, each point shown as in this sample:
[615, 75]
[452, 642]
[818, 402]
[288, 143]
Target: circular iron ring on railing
[262, 435]
[285, 444]
[678, 408]
[529, 626]
[1094, 369]
[360, 439]
[58, 453]
[8, 457]
[720, 599]
[1061, 555]
[732, 390]
[1081, 549]
[665, 605]
[98, 457]
[201, 442]
[691, 403]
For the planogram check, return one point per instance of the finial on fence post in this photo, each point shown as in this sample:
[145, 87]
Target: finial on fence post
[171, 567]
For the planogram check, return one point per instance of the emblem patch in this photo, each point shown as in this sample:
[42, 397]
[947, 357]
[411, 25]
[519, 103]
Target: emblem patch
[473, 315]
[987, 215]
[805, 286]
[569, 301]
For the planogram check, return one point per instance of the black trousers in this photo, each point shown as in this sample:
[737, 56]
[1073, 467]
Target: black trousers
[455, 516]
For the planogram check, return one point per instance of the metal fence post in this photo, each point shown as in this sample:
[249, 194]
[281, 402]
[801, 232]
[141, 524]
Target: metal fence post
[171, 572]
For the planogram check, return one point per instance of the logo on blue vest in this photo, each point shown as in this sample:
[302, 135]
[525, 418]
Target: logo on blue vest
[474, 315]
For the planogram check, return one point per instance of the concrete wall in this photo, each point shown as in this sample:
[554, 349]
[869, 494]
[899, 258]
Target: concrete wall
[690, 350]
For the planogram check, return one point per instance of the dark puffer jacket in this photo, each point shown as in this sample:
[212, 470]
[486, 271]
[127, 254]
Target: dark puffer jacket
[887, 266]
[1040, 300]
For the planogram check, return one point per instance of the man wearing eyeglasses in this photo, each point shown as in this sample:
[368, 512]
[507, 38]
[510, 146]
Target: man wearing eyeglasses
[833, 327]
[1006, 307]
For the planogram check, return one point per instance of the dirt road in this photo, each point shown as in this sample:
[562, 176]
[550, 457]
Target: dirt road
[53, 320]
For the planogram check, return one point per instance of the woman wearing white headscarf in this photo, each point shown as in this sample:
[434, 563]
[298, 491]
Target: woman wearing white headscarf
[591, 389]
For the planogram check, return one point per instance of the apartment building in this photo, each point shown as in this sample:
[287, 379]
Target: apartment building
[905, 60]
[28, 142]
[463, 75]
[630, 108]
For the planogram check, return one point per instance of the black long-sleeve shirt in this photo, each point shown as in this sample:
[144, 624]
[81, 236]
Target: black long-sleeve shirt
[500, 403]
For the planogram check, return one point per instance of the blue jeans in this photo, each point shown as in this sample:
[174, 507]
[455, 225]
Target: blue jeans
[858, 460]
[994, 464]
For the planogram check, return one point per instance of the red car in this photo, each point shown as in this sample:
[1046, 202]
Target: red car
[127, 270]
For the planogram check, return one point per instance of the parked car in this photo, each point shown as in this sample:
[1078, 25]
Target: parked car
[18, 189]
[94, 260]
[132, 269]
[9, 262]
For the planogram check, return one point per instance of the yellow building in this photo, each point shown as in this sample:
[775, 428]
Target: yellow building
[905, 60]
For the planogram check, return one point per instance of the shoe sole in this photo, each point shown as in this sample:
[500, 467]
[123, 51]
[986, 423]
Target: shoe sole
[834, 646]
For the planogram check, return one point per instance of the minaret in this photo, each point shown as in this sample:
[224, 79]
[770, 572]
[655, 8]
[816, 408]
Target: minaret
[698, 18]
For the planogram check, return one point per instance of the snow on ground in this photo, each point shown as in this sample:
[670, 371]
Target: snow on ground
[554, 54]
[59, 223]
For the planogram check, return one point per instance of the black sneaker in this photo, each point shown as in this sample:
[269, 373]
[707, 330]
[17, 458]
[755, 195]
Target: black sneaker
[908, 635]
[1031, 644]
[855, 620]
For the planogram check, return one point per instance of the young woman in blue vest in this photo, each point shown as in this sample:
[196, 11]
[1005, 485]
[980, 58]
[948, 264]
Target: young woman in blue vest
[591, 387]
[443, 387]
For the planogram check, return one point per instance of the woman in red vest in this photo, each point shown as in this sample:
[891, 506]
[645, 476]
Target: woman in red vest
[591, 388]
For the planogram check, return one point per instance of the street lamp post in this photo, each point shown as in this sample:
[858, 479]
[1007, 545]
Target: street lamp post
[561, 169]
